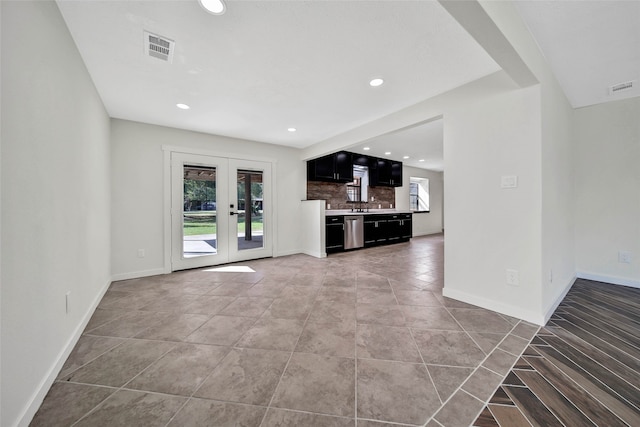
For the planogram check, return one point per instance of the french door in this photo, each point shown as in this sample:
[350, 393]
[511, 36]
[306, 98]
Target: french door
[220, 210]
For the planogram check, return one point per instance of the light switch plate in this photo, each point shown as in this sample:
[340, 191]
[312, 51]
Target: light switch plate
[512, 277]
[624, 257]
[509, 181]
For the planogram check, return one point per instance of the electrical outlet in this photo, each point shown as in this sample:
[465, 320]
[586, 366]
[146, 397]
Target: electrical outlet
[140, 253]
[509, 181]
[624, 257]
[67, 302]
[512, 277]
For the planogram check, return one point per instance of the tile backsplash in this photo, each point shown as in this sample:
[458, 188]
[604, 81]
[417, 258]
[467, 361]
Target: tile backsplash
[335, 195]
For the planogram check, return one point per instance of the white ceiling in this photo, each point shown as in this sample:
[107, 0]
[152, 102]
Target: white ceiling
[265, 66]
[590, 45]
[421, 143]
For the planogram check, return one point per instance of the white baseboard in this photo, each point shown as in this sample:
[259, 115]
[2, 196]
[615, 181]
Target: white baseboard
[315, 254]
[509, 310]
[428, 232]
[556, 302]
[539, 319]
[44, 386]
[609, 279]
[287, 253]
[137, 274]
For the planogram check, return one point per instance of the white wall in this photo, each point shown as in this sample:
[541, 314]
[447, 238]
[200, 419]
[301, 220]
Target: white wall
[607, 181]
[557, 192]
[426, 222]
[491, 229]
[138, 190]
[558, 268]
[55, 202]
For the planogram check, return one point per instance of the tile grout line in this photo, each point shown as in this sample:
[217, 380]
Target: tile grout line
[581, 387]
[420, 354]
[413, 339]
[122, 386]
[355, 354]
[459, 388]
[195, 390]
[125, 340]
[594, 361]
[275, 390]
[558, 391]
[602, 330]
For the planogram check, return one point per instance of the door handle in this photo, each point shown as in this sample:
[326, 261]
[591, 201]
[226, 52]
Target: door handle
[232, 213]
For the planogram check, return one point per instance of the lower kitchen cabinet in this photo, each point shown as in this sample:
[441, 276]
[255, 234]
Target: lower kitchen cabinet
[399, 228]
[334, 234]
[383, 229]
[375, 230]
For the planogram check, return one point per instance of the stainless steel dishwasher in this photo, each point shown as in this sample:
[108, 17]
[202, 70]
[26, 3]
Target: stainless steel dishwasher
[353, 231]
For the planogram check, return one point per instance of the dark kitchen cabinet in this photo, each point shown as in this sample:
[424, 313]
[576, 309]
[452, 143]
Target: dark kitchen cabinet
[406, 227]
[396, 174]
[336, 167]
[361, 160]
[334, 234]
[399, 228]
[387, 229]
[387, 173]
[374, 230]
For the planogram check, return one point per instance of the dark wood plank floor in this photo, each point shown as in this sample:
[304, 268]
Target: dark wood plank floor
[581, 369]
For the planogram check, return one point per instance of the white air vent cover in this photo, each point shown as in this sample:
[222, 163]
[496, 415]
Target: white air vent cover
[158, 46]
[621, 87]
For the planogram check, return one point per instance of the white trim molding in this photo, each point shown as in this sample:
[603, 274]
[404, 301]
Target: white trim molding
[623, 281]
[43, 388]
[137, 274]
[539, 319]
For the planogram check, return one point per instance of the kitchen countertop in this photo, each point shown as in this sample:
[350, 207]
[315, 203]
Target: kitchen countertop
[336, 212]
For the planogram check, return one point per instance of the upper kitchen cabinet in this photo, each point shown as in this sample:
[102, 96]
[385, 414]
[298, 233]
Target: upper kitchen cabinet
[336, 167]
[387, 173]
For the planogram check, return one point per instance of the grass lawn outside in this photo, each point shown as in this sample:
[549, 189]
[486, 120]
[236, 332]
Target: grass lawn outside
[196, 223]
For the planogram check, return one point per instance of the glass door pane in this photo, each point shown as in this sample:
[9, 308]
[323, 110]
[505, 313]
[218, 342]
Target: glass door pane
[250, 224]
[199, 214]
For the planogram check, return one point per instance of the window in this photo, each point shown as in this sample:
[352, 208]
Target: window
[419, 194]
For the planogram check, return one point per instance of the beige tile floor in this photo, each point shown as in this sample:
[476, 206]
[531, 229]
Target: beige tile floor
[363, 337]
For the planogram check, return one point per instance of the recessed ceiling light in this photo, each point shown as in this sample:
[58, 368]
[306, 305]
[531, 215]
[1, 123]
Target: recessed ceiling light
[366, 148]
[376, 82]
[421, 160]
[215, 7]
[386, 153]
[292, 129]
[405, 157]
[183, 106]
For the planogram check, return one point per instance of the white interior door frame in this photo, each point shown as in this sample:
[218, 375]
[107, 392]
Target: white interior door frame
[168, 150]
[266, 250]
[179, 261]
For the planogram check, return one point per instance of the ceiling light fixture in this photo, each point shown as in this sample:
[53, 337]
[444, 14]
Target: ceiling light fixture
[292, 129]
[215, 7]
[366, 148]
[386, 153]
[405, 157]
[376, 82]
[421, 160]
[183, 106]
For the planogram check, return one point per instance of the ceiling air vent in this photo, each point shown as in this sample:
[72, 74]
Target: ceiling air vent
[158, 46]
[621, 87]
